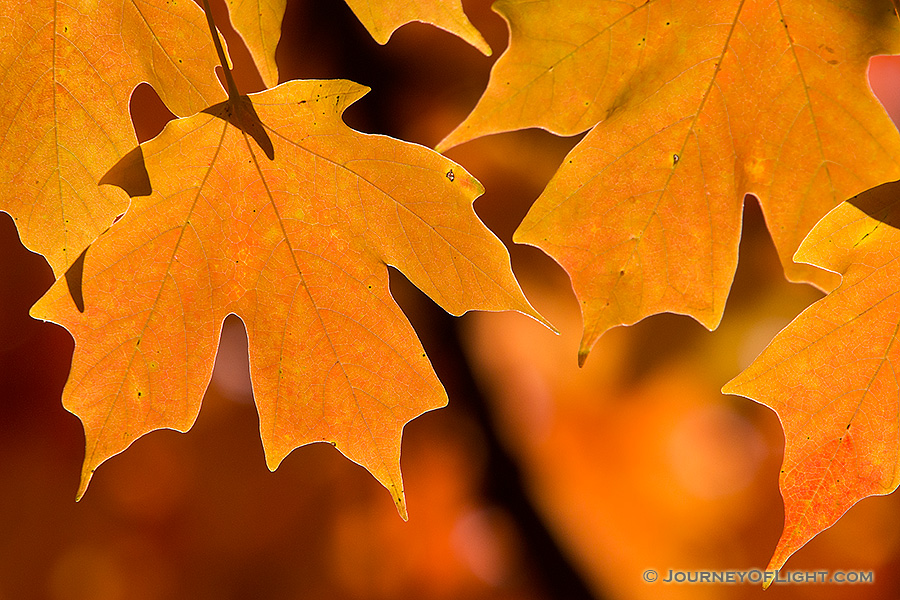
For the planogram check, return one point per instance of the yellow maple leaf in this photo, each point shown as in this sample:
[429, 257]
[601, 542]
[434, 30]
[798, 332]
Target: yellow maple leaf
[271, 208]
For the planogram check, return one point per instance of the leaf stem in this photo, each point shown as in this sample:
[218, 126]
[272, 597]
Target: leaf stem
[229, 80]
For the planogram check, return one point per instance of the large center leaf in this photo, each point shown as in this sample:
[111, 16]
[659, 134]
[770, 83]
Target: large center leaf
[271, 208]
[692, 106]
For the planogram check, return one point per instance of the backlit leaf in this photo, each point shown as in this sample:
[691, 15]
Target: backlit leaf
[831, 374]
[269, 207]
[259, 24]
[690, 106]
[383, 17]
[67, 70]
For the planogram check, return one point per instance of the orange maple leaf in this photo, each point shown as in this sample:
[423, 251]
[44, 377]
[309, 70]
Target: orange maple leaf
[67, 71]
[831, 375]
[271, 208]
[383, 17]
[259, 24]
[692, 106]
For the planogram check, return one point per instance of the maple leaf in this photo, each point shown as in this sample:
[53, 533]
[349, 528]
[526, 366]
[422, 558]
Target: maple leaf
[259, 24]
[66, 74]
[691, 106]
[831, 376]
[271, 208]
[383, 17]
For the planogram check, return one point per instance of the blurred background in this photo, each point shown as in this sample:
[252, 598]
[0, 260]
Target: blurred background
[539, 481]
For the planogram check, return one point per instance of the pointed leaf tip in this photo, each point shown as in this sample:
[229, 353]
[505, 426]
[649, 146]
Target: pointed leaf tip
[582, 357]
[730, 388]
[86, 475]
[529, 311]
[399, 497]
[383, 17]
[839, 416]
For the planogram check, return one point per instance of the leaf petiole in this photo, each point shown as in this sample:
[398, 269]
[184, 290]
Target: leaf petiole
[229, 80]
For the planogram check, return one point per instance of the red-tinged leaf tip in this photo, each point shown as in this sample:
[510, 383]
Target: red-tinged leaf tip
[840, 417]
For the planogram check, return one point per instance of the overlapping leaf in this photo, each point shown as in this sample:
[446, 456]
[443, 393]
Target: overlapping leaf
[67, 70]
[271, 208]
[259, 24]
[693, 105]
[831, 375]
[383, 17]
